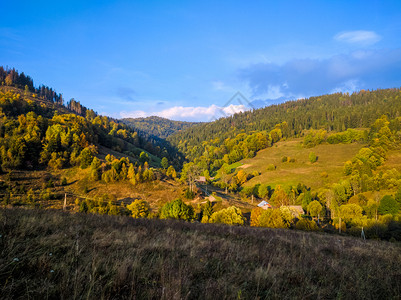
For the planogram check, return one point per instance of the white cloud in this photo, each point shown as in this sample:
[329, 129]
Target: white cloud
[188, 113]
[358, 37]
[347, 87]
[232, 109]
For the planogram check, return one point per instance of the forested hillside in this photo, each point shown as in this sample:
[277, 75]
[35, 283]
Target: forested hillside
[156, 130]
[157, 126]
[19, 98]
[49, 150]
[31, 134]
[334, 112]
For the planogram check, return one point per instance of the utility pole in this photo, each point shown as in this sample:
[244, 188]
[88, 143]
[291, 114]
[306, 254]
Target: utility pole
[65, 201]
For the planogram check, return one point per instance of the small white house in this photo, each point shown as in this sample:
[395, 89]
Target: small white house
[264, 204]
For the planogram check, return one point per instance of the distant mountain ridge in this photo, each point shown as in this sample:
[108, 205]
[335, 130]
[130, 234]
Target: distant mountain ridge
[155, 126]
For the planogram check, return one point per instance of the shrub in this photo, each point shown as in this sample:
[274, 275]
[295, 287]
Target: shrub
[83, 207]
[189, 194]
[292, 160]
[50, 184]
[312, 157]
[271, 167]
[306, 225]
[46, 195]
[284, 159]
[255, 173]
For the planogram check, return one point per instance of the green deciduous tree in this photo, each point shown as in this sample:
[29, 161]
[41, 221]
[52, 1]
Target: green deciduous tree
[171, 172]
[315, 209]
[349, 212]
[190, 173]
[143, 157]
[207, 212]
[164, 163]
[388, 205]
[231, 215]
[264, 191]
[87, 156]
[177, 209]
[96, 171]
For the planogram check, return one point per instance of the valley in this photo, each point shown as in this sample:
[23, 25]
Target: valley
[184, 150]
[189, 192]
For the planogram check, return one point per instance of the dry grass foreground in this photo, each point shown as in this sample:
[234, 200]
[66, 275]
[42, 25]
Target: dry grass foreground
[56, 255]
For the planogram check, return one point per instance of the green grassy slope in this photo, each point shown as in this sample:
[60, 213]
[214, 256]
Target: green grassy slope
[331, 159]
[50, 254]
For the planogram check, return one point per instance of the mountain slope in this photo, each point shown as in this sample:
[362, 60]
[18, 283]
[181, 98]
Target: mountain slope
[157, 126]
[327, 170]
[33, 130]
[335, 112]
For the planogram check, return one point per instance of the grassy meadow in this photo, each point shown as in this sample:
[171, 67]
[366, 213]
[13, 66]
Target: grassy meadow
[157, 193]
[49, 254]
[393, 160]
[326, 170]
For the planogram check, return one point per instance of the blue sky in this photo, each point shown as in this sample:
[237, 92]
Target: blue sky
[185, 59]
